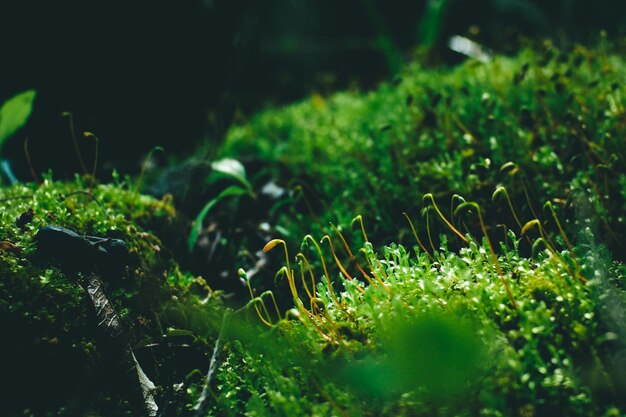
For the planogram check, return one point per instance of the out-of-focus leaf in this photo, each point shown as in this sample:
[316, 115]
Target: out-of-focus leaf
[231, 191]
[437, 354]
[179, 333]
[229, 168]
[14, 113]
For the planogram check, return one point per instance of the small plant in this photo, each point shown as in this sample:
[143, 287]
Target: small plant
[230, 169]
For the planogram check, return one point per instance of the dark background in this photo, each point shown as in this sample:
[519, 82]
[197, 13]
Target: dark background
[175, 73]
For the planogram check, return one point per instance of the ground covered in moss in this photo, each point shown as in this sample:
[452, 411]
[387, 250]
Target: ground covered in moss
[473, 266]
[52, 359]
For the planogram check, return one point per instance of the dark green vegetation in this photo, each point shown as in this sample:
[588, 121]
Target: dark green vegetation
[501, 292]
[52, 356]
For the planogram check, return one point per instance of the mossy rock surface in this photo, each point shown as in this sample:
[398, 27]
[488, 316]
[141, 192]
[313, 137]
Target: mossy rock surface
[51, 354]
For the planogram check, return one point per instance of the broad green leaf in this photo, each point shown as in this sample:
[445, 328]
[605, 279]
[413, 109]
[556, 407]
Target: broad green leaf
[231, 191]
[14, 113]
[229, 168]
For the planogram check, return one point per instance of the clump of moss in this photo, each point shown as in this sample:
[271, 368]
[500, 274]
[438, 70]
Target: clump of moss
[546, 124]
[412, 334]
[527, 321]
[52, 356]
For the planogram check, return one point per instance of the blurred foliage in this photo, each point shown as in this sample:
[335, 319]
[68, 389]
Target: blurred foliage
[14, 113]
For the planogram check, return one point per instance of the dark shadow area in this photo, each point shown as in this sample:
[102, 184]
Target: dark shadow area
[143, 73]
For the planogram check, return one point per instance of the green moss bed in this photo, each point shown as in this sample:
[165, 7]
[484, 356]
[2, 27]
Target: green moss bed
[473, 266]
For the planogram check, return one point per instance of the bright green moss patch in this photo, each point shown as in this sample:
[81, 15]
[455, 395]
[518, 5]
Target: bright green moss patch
[509, 305]
[554, 119]
[439, 337]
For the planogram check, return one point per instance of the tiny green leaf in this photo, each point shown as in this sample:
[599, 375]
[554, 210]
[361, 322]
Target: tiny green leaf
[229, 168]
[14, 113]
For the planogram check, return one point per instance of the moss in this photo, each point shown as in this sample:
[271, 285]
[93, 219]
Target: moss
[436, 337]
[51, 344]
[472, 321]
[437, 331]
[556, 115]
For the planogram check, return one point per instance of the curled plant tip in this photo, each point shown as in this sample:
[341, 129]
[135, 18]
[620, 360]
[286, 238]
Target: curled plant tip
[254, 300]
[339, 265]
[510, 167]
[570, 248]
[359, 219]
[280, 274]
[500, 190]
[329, 283]
[352, 257]
[271, 244]
[453, 199]
[530, 224]
[287, 268]
[426, 213]
[535, 248]
[305, 263]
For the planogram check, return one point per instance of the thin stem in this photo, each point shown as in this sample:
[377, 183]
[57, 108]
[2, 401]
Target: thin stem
[75, 141]
[254, 300]
[30, 162]
[372, 269]
[450, 225]
[329, 283]
[352, 257]
[419, 242]
[490, 246]
[430, 239]
[359, 219]
[95, 160]
[144, 166]
[304, 284]
[563, 235]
